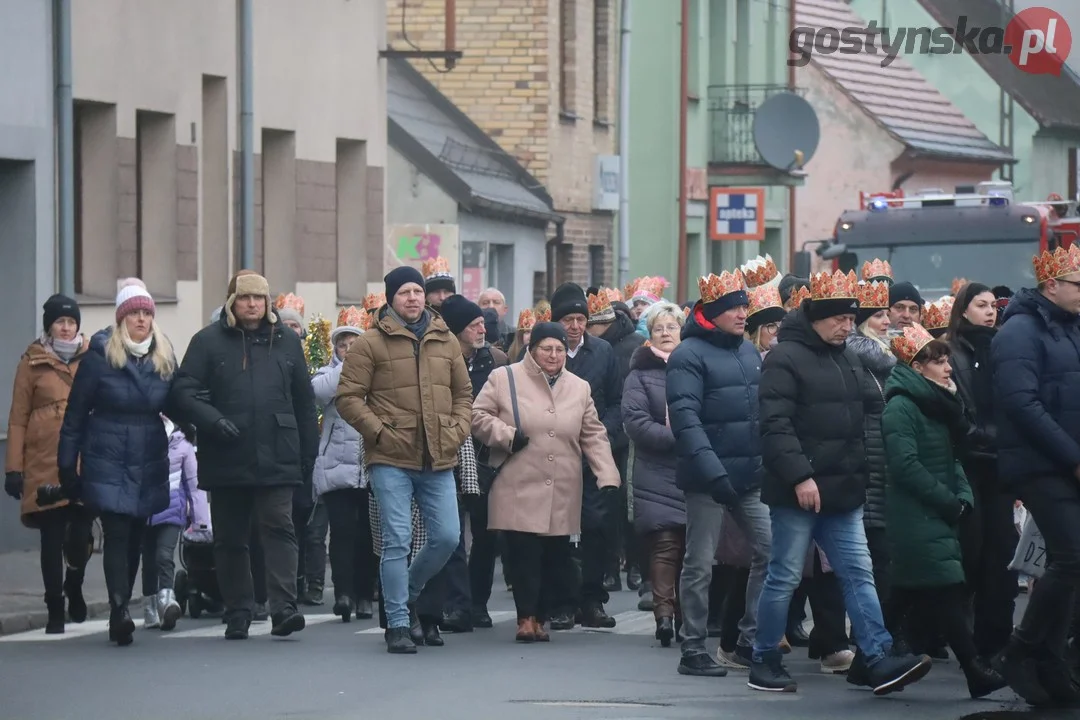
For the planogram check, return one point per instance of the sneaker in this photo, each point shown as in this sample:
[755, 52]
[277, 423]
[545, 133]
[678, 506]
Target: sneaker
[700, 665]
[563, 621]
[769, 674]
[741, 658]
[837, 663]
[859, 673]
[894, 672]
[399, 642]
[287, 622]
[237, 627]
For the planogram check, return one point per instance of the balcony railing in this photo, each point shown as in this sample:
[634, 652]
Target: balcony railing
[732, 109]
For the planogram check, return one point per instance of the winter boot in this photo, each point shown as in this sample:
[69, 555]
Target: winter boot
[55, 624]
[344, 607]
[121, 626]
[287, 622]
[416, 629]
[151, 617]
[981, 680]
[364, 609]
[73, 590]
[168, 609]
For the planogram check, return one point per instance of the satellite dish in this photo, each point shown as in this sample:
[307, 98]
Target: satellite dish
[786, 132]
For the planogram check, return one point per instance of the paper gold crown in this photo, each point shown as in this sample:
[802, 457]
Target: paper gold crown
[764, 297]
[613, 294]
[714, 287]
[796, 298]
[374, 301]
[526, 319]
[906, 346]
[1059, 264]
[873, 295]
[647, 288]
[435, 267]
[599, 304]
[958, 284]
[543, 314]
[876, 270]
[290, 302]
[760, 271]
[351, 317]
[836, 286]
[936, 314]
[630, 290]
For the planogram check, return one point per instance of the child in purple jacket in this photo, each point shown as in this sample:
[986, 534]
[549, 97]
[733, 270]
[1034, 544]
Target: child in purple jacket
[163, 531]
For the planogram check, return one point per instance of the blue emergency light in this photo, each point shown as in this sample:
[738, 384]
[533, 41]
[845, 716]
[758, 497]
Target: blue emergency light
[879, 205]
[998, 201]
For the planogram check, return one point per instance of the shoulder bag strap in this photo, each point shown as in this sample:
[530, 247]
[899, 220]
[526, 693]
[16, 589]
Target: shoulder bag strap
[513, 397]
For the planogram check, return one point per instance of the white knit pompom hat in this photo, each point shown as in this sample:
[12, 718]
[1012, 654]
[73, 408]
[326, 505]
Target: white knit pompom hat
[132, 297]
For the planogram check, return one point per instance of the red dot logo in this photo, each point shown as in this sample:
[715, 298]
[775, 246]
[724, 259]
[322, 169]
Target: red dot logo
[1039, 41]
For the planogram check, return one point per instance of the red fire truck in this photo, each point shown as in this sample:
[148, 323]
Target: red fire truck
[931, 237]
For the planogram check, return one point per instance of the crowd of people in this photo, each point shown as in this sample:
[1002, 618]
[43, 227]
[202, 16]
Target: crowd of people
[836, 440]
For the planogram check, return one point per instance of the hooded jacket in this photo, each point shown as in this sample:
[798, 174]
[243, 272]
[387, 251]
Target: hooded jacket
[812, 421]
[183, 482]
[879, 363]
[712, 394]
[1036, 357]
[340, 464]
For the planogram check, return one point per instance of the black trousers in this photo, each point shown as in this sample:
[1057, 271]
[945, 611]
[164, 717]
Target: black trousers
[729, 586]
[941, 610]
[311, 524]
[353, 563]
[233, 510]
[66, 539]
[829, 634]
[485, 546]
[988, 539]
[158, 558]
[258, 563]
[879, 555]
[1054, 503]
[537, 565]
[120, 556]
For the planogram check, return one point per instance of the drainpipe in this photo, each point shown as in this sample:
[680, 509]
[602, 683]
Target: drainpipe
[684, 90]
[624, 147]
[247, 136]
[65, 148]
[791, 190]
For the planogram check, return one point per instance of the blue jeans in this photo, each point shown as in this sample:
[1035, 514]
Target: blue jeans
[843, 539]
[436, 496]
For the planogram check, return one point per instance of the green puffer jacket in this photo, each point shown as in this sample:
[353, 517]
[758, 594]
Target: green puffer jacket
[923, 425]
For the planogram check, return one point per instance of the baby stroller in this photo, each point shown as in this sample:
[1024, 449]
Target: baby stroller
[196, 583]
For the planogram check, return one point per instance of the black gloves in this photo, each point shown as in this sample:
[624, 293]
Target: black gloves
[722, 492]
[519, 442]
[965, 509]
[226, 430]
[958, 512]
[13, 484]
[70, 483]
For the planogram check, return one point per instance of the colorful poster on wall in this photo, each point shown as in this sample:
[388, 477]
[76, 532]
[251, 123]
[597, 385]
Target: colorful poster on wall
[736, 213]
[415, 244]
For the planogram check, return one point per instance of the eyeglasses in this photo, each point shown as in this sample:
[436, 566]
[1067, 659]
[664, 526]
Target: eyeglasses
[669, 329]
[1074, 283]
[771, 327]
[552, 350]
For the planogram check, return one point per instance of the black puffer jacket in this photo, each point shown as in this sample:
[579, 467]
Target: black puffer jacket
[973, 374]
[878, 363]
[812, 419]
[623, 339]
[258, 380]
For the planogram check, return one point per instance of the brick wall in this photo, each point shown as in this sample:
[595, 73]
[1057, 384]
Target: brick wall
[583, 230]
[316, 221]
[187, 213]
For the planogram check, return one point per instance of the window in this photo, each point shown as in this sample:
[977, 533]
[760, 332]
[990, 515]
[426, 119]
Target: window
[352, 220]
[596, 265]
[156, 203]
[602, 61]
[279, 208]
[97, 199]
[567, 58]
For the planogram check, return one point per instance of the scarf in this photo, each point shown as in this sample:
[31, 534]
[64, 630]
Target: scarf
[416, 328]
[63, 349]
[138, 349]
[945, 405]
[980, 337]
[552, 378]
[660, 353]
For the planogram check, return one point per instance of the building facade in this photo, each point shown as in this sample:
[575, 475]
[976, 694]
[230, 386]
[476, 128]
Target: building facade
[540, 79]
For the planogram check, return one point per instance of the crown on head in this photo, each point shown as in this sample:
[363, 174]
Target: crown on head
[936, 314]
[374, 301]
[958, 284]
[436, 267]
[543, 314]
[759, 271]
[765, 296]
[796, 298]
[290, 302]
[526, 319]
[907, 345]
[714, 287]
[873, 295]
[367, 319]
[836, 286]
[630, 289]
[614, 295]
[599, 305]
[649, 288]
[350, 317]
[876, 270]
[1059, 264]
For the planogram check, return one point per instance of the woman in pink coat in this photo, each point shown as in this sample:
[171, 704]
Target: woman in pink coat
[541, 420]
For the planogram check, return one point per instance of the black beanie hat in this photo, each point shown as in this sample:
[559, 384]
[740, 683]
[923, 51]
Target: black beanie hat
[458, 311]
[830, 307]
[905, 291]
[400, 276]
[764, 317]
[568, 299]
[545, 330]
[59, 306]
[788, 284]
[719, 306]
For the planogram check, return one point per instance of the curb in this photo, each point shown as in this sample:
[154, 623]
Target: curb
[13, 623]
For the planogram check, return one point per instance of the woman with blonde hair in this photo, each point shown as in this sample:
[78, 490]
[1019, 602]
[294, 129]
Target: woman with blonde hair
[114, 453]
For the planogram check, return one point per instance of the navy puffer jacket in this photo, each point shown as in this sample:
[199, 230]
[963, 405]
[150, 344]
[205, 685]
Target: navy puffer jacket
[712, 394]
[659, 504]
[1036, 358]
[113, 425]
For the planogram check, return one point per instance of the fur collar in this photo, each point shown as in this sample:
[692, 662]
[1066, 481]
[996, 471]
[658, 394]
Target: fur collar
[646, 358]
[875, 358]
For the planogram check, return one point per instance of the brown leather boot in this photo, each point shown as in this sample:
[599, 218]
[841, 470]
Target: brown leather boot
[526, 632]
[540, 632]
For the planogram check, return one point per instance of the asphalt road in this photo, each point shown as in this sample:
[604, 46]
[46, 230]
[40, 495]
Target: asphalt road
[334, 671]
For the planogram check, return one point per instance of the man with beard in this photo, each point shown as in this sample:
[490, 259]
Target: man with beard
[1036, 359]
[611, 322]
[593, 360]
[815, 485]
